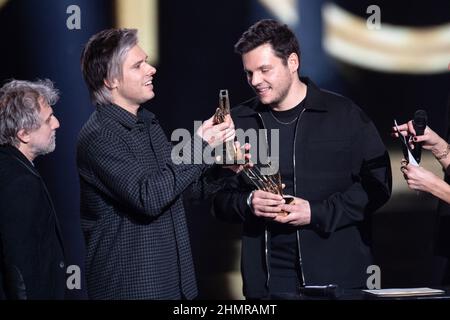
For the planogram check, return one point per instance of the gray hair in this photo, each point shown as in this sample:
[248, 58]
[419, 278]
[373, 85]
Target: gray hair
[19, 107]
[102, 59]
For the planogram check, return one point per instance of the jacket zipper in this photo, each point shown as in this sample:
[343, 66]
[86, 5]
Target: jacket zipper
[295, 194]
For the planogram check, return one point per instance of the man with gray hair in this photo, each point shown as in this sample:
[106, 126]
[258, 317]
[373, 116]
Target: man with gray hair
[31, 248]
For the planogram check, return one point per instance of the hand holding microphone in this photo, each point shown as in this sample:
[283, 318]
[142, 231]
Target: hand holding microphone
[419, 135]
[423, 136]
[412, 148]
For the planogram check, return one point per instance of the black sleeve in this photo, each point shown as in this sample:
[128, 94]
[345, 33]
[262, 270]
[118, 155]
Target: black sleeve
[372, 185]
[212, 180]
[230, 203]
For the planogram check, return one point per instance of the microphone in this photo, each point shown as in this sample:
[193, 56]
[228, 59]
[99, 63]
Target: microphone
[419, 124]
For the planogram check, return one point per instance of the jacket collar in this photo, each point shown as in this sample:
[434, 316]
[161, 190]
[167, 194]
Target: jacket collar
[313, 101]
[20, 157]
[124, 117]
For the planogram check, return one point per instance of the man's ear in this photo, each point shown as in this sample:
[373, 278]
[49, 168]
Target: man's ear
[111, 84]
[23, 136]
[293, 62]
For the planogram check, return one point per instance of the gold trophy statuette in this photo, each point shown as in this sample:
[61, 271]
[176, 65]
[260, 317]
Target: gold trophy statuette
[232, 154]
[266, 182]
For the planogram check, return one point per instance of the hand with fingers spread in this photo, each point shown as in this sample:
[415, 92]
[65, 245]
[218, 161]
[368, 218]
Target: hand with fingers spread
[299, 213]
[265, 204]
[217, 134]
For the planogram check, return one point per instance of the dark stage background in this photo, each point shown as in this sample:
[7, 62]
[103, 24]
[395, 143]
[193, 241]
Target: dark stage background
[196, 60]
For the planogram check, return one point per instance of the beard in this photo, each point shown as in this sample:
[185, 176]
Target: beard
[278, 96]
[41, 150]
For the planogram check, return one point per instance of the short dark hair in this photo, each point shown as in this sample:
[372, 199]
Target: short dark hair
[102, 58]
[279, 36]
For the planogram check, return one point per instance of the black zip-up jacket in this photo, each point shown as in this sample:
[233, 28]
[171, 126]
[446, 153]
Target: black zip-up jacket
[342, 168]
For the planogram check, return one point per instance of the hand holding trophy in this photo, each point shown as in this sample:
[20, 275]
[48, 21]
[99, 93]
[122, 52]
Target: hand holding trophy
[232, 154]
[266, 182]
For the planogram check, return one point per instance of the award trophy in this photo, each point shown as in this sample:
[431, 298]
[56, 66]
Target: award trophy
[263, 178]
[268, 182]
[232, 155]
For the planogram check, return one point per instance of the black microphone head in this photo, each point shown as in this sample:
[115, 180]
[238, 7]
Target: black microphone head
[420, 121]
